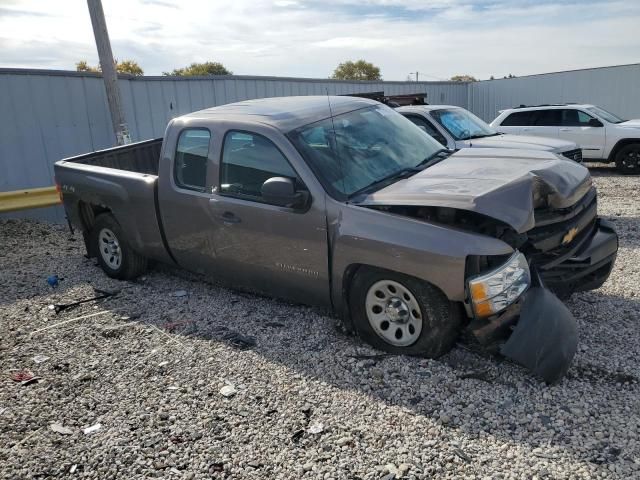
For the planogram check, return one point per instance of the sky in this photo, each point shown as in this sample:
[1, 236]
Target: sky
[309, 38]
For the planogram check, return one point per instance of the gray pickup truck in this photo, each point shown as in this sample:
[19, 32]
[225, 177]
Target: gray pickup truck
[343, 203]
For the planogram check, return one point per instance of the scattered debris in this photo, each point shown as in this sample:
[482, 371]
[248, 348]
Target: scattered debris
[376, 356]
[82, 317]
[316, 428]
[61, 429]
[73, 468]
[461, 454]
[482, 375]
[297, 435]
[236, 339]
[228, 391]
[274, 324]
[24, 377]
[59, 307]
[163, 364]
[53, 281]
[179, 293]
[40, 358]
[92, 429]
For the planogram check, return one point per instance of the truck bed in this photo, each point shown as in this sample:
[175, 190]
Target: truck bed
[122, 181]
[140, 157]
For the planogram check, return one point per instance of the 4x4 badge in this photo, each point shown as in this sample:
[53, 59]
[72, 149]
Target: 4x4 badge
[570, 235]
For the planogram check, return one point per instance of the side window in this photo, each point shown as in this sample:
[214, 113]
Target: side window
[248, 160]
[428, 126]
[546, 118]
[517, 119]
[190, 163]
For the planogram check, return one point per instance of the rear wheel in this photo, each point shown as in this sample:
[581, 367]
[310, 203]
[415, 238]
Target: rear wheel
[628, 159]
[403, 315]
[115, 255]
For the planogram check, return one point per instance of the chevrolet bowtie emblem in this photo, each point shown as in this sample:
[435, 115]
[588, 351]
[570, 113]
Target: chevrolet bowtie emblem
[570, 235]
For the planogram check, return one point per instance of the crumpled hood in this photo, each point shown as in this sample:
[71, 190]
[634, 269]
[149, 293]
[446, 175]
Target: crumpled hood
[499, 183]
[523, 141]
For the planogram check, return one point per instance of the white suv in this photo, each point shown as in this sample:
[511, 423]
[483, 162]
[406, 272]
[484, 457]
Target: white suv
[456, 128]
[603, 136]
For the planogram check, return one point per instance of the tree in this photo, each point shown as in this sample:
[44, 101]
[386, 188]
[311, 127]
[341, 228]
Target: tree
[200, 69]
[463, 78]
[126, 66]
[358, 70]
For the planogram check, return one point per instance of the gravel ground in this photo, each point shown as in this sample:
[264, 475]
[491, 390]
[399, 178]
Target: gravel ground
[304, 402]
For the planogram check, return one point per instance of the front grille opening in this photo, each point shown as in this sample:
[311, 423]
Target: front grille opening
[575, 155]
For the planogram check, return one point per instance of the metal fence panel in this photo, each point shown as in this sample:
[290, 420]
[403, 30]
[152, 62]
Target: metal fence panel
[614, 88]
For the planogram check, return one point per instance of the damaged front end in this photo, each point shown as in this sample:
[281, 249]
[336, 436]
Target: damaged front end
[515, 315]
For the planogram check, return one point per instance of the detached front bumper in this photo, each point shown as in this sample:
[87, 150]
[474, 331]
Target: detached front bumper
[538, 331]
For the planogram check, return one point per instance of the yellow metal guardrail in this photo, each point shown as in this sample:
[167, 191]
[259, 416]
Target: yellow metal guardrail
[31, 198]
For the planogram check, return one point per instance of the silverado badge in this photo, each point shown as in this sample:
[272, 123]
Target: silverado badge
[570, 235]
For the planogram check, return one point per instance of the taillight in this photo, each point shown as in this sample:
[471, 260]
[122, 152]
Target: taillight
[59, 190]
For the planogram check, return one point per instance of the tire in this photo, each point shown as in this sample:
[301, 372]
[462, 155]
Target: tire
[429, 327]
[115, 255]
[628, 159]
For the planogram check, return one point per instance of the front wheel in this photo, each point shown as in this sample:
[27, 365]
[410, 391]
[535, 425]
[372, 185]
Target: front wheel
[115, 255]
[403, 315]
[628, 159]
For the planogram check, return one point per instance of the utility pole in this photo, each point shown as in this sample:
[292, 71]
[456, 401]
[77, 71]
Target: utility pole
[417, 74]
[109, 73]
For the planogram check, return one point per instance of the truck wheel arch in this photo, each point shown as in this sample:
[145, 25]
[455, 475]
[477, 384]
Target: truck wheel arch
[87, 213]
[347, 282]
[619, 144]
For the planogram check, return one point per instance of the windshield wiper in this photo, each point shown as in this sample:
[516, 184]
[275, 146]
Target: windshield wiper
[434, 158]
[481, 135]
[394, 176]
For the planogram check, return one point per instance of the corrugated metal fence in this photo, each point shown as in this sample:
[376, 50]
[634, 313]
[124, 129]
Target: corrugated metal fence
[614, 88]
[49, 115]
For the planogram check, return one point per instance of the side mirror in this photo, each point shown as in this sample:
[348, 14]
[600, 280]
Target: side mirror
[423, 128]
[594, 122]
[281, 191]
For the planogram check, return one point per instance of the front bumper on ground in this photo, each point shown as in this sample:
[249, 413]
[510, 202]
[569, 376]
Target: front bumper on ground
[539, 332]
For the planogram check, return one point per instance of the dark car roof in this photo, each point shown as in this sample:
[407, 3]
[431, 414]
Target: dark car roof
[285, 113]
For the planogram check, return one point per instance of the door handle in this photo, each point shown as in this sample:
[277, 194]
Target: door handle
[230, 217]
[565, 129]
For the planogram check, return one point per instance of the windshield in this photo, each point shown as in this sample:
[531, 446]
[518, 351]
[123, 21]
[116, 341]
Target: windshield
[608, 116]
[369, 145]
[461, 124]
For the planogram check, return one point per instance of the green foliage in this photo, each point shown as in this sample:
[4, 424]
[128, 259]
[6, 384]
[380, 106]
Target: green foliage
[200, 69]
[463, 78]
[358, 70]
[126, 66]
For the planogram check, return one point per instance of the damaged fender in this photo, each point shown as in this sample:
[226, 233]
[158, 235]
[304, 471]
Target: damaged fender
[545, 339]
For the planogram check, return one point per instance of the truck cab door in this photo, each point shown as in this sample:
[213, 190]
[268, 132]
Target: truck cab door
[272, 249]
[184, 189]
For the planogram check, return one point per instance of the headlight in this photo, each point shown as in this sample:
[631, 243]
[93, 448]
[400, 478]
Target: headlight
[494, 291]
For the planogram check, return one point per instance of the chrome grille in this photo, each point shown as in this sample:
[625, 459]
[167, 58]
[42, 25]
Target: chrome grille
[575, 155]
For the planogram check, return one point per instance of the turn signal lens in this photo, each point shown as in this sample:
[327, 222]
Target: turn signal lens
[492, 292]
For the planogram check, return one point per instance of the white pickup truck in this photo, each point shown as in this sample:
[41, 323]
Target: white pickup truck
[456, 128]
[603, 136]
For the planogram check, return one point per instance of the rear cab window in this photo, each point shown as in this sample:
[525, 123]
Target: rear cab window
[190, 161]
